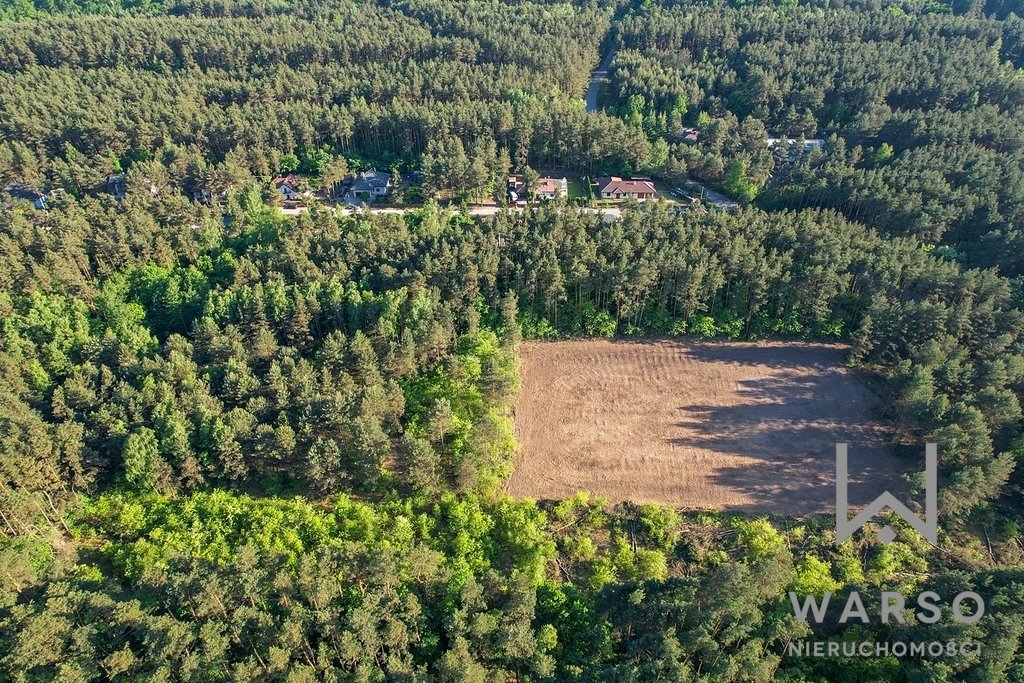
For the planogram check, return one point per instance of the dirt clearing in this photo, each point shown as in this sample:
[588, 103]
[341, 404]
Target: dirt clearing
[727, 426]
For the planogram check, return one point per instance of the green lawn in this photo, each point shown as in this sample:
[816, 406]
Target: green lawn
[577, 188]
[665, 192]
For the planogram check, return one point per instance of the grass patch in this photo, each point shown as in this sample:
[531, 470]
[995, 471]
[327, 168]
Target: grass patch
[578, 189]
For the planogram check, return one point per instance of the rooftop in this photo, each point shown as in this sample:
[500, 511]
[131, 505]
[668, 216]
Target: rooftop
[371, 180]
[21, 191]
[615, 185]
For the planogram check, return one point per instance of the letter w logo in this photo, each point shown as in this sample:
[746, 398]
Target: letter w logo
[846, 526]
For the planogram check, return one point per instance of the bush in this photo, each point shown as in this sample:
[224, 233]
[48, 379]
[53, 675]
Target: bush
[661, 524]
[535, 327]
[758, 538]
[730, 327]
[703, 326]
[597, 323]
[814, 577]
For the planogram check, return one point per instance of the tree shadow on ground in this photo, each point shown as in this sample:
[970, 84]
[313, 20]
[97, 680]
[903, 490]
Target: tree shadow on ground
[784, 432]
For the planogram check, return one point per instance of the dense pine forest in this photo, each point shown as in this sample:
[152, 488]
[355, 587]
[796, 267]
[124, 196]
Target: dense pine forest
[239, 445]
[214, 101]
[922, 114]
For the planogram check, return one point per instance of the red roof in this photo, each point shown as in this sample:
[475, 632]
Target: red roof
[548, 186]
[290, 180]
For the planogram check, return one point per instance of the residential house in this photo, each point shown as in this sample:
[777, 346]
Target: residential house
[116, 186]
[806, 145]
[544, 188]
[29, 194]
[551, 188]
[632, 188]
[288, 186]
[372, 183]
[340, 188]
[200, 195]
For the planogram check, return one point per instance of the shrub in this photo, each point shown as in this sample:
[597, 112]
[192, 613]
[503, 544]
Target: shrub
[703, 326]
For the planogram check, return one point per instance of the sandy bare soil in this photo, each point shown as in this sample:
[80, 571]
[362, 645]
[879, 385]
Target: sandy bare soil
[733, 426]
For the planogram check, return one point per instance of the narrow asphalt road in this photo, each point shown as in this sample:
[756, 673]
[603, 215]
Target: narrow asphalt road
[609, 213]
[599, 77]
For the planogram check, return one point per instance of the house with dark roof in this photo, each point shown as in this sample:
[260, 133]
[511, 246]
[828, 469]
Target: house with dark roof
[806, 145]
[28, 194]
[373, 183]
[611, 187]
[516, 188]
[116, 186]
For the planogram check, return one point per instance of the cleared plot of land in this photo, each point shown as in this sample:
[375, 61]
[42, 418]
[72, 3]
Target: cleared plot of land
[734, 426]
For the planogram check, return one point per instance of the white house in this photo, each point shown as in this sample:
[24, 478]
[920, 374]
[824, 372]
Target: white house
[544, 188]
[288, 186]
[551, 188]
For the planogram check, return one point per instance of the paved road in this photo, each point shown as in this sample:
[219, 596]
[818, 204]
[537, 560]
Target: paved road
[610, 214]
[599, 77]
